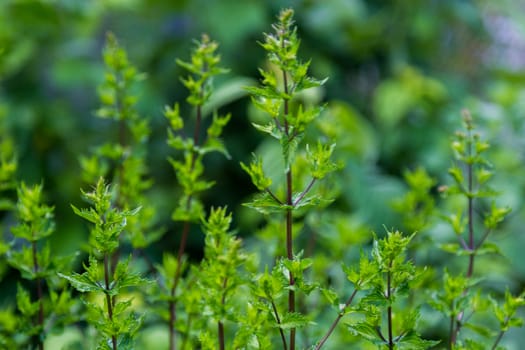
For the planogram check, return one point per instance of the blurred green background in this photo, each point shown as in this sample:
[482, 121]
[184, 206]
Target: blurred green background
[399, 72]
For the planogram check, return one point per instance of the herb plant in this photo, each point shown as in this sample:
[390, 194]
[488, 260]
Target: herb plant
[202, 68]
[462, 297]
[36, 264]
[287, 124]
[421, 287]
[116, 323]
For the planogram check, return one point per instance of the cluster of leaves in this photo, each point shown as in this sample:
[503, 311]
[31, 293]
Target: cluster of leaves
[50, 306]
[462, 297]
[381, 282]
[189, 171]
[124, 159]
[116, 323]
[286, 78]
[225, 301]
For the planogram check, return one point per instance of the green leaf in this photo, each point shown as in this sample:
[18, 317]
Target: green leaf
[266, 204]
[289, 146]
[293, 320]
[412, 341]
[82, 282]
[24, 304]
[367, 331]
[256, 172]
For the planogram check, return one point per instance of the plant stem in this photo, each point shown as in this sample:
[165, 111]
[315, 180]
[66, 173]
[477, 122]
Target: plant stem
[220, 324]
[306, 190]
[289, 219]
[336, 321]
[471, 244]
[389, 308]
[182, 246]
[452, 332]
[283, 338]
[273, 196]
[498, 339]
[39, 292]
[109, 300]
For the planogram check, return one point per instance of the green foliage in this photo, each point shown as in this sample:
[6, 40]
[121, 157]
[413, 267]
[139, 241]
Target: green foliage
[51, 309]
[385, 278]
[275, 280]
[204, 66]
[124, 157]
[460, 296]
[281, 84]
[218, 277]
[115, 320]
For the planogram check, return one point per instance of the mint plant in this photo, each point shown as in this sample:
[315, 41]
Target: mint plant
[124, 158]
[287, 123]
[471, 174]
[381, 283]
[116, 324]
[218, 277]
[245, 294]
[202, 68]
[53, 304]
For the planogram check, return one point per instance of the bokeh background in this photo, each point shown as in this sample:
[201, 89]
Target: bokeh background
[400, 72]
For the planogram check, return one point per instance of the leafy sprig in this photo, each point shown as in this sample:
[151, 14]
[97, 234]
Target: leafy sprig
[203, 66]
[116, 323]
[36, 263]
[280, 84]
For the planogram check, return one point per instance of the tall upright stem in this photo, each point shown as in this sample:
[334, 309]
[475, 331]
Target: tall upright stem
[40, 296]
[456, 326]
[220, 325]
[289, 218]
[336, 321]
[470, 269]
[109, 300]
[182, 246]
[389, 309]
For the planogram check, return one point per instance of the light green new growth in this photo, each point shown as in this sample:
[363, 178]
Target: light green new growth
[218, 274]
[382, 280]
[471, 175]
[116, 323]
[36, 263]
[285, 78]
[125, 156]
[189, 171]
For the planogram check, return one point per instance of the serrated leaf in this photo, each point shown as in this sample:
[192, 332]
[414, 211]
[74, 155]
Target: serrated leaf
[270, 128]
[413, 341]
[366, 331]
[293, 320]
[82, 282]
[289, 148]
[266, 204]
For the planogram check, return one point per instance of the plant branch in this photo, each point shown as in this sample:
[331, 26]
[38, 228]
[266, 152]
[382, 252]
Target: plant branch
[283, 338]
[109, 300]
[500, 336]
[305, 192]
[483, 238]
[185, 231]
[40, 295]
[471, 243]
[273, 195]
[220, 325]
[389, 308]
[336, 321]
